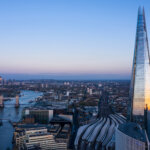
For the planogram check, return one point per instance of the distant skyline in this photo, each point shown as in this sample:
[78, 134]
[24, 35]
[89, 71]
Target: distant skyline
[67, 76]
[78, 39]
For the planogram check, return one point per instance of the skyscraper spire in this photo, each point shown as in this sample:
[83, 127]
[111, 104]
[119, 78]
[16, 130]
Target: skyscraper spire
[140, 80]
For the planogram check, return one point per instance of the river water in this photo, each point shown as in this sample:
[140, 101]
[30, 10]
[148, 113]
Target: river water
[9, 112]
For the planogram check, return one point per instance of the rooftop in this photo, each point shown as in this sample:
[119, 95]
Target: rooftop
[133, 130]
[97, 134]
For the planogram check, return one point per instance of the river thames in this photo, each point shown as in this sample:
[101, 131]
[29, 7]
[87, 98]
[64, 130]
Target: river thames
[9, 112]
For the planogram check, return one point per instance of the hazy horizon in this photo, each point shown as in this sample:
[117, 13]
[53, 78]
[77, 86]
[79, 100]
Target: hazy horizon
[67, 76]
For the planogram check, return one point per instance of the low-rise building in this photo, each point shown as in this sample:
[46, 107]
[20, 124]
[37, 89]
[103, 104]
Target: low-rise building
[40, 138]
[22, 135]
[40, 115]
[45, 141]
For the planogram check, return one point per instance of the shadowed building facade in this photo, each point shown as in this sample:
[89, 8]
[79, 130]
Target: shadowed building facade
[140, 81]
[104, 109]
[130, 136]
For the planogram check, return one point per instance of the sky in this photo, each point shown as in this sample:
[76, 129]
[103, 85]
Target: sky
[68, 39]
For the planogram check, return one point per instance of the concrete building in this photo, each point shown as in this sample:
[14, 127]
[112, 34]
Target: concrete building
[1, 102]
[40, 138]
[21, 136]
[67, 93]
[45, 141]
[130, 136]
[90, 91]
[40, 115]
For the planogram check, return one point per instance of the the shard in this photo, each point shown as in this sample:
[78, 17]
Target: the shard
[140, 80]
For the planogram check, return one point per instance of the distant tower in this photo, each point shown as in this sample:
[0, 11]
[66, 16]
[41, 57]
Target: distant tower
[67, 94]
[17, 101]
[91, 92]
[1, 102]
[140, 81]
[1, 80]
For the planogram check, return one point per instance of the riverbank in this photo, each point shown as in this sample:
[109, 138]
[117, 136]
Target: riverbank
[10, 113]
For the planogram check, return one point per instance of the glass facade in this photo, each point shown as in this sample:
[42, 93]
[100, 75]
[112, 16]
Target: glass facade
[140, 82]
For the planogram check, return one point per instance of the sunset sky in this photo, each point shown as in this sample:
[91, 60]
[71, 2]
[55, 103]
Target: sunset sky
[74, 39]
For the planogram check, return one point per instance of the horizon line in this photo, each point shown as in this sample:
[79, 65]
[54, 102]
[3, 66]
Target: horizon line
[68, 76]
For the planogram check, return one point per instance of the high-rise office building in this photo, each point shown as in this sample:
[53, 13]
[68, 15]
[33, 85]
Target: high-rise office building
[140, 81]
[130, 135]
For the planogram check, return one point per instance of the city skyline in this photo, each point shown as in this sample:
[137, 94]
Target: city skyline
[74, 40]
[74, 75]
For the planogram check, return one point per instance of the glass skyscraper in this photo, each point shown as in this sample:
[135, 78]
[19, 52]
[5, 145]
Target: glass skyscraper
[140, 80]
